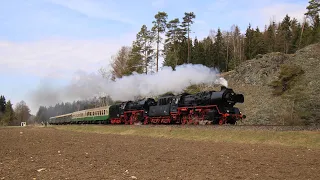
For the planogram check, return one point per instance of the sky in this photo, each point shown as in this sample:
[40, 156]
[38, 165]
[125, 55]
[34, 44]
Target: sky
[50, 41]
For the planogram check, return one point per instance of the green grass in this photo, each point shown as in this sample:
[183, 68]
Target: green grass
[308, 139]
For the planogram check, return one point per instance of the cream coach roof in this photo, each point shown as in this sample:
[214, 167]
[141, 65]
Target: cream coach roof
[83, 111]
[69, 114]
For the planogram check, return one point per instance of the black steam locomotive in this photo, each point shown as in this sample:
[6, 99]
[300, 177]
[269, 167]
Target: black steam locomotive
[208, 107]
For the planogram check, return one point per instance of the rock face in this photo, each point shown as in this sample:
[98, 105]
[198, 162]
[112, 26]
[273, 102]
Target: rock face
[280, 88]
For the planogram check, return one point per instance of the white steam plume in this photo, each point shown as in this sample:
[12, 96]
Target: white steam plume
[164, 81]
[86, 86]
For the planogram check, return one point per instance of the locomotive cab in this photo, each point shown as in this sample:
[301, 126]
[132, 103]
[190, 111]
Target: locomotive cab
[163, 107]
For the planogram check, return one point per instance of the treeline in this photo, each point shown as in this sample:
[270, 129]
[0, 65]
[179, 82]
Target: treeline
[14, 117]
[221, 49]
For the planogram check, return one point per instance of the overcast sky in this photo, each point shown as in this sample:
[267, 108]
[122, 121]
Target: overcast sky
[50, 40]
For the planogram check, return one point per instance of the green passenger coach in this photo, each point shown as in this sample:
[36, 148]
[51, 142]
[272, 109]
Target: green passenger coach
[98, 115]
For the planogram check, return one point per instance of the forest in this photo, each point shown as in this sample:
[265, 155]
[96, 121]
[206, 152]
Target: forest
[170, 39]
[222, 49]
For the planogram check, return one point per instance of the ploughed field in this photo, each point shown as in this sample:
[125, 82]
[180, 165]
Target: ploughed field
[138, 152]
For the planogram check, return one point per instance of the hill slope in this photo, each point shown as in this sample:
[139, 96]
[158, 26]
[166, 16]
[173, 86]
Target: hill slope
[280, 88]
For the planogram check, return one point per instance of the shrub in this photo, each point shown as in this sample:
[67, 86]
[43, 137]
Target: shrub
[288, 75]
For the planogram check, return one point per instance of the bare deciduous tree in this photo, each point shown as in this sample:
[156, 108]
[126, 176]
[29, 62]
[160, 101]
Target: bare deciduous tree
[22, 112]
[120, 62]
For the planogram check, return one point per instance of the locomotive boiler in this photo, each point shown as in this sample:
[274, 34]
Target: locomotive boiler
[225, 98]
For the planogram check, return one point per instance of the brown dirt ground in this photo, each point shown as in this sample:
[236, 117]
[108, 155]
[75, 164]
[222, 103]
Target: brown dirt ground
[75, 155]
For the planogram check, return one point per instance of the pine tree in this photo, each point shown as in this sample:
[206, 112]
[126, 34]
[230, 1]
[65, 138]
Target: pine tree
[259, 46]
[173, 41]
[236, 47]
[227, 37]
[42, 114]
[270, 37]
[208, 47]
[249, 44]
[135, 62]
[9, 115]
[198, 53]
[2, 103]
[285, 34]
[143, 46]
[158, 28]
[316, 29]
[182, 52]
[219, 52]
[306, 36]
[313, 12]
[296, 31]
[313, 15]
[186, 25]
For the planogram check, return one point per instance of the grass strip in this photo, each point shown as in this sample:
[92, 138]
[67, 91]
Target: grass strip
[307, 139]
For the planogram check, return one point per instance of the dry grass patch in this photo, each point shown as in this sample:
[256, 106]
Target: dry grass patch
[225, 134]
